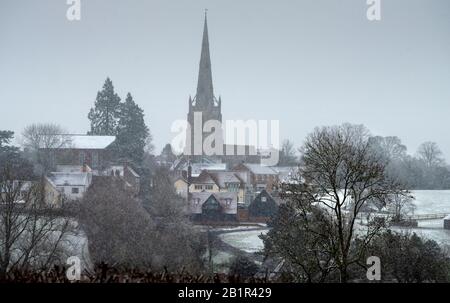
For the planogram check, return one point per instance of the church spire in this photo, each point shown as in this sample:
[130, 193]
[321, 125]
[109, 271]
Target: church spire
[205, 93]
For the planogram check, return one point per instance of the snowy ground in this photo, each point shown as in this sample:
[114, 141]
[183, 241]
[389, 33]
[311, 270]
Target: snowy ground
[431, 201]
[247, 241]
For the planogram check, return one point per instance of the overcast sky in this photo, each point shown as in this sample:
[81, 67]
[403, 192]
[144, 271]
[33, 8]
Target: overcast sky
[305, 63]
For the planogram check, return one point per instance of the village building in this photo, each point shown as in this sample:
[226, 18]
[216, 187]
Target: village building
[181, 187]
[61, 187]
[263, 207]
[259, 177]
[287, 174]
[213, 207]
[182, 166]
[93, 151]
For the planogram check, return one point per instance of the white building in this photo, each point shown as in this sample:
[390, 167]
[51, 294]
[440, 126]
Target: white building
[63, 186]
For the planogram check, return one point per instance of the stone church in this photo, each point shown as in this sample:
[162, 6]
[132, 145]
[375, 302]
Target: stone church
[209, 108]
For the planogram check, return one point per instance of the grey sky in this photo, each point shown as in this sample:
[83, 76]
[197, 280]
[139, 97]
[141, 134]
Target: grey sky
[306, 63]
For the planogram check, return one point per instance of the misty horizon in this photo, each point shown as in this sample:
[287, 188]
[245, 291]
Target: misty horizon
[392, 75]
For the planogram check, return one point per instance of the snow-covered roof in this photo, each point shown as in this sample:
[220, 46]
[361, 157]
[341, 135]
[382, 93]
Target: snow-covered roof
[221, 178]
[227, 200]
[259, 169]
[72, 168]
[83, 142]
[91, 142]
[203, 178]
[197, 168]
[70, 179]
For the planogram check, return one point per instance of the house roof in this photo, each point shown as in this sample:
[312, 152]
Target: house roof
[69, 179]
[83, 142]
[258, 169]
[197, 168]
[72, 168]
[221, 178]
[288, 174]
[220, 196]
[204, 178]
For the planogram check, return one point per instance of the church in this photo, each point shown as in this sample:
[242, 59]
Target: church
[206, 109]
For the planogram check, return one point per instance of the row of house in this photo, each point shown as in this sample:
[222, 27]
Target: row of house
[247, 192]
[75, 164]
[212, 191]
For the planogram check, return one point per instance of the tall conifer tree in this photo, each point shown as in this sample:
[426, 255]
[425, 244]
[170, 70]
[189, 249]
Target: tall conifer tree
[131, 132]
[105, 113]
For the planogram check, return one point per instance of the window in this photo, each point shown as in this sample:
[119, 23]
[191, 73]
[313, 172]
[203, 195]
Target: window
[82, 156]
[95, 159]
[233, 187]
[208, 187]
[75, 190]
[198, 187]
[263, 199]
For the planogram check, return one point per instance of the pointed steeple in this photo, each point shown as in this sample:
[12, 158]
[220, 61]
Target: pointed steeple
[205, 93]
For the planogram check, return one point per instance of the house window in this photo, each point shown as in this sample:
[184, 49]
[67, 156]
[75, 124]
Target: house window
[208, 187]
[75, 190]
[94, 159]
[233, 187]
[82, 156]
[263, 199]
[198, 187]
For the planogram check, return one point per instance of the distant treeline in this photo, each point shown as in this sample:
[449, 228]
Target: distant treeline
[427, 169]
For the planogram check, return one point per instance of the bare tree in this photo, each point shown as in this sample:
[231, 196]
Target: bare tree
[31, 235]
[122, 232]
[39, 139]
[299, 239]
[174, 229]
[288, 155]
[342, 174]
[391, 147]
[430, 154]
[44, 135]
[400, 206]
[119, 230]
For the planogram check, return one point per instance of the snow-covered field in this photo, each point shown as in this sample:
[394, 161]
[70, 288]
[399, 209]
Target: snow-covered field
[431, 201]
[247, 241]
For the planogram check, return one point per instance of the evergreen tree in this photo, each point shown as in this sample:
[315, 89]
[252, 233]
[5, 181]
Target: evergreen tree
[131, 132]
[5, 140]
[105, 114]
[12, 164]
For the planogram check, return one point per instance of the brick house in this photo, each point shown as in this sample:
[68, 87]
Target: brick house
[93, 151]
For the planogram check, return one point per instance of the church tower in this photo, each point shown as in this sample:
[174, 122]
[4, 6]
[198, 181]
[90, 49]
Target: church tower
[204, 101]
